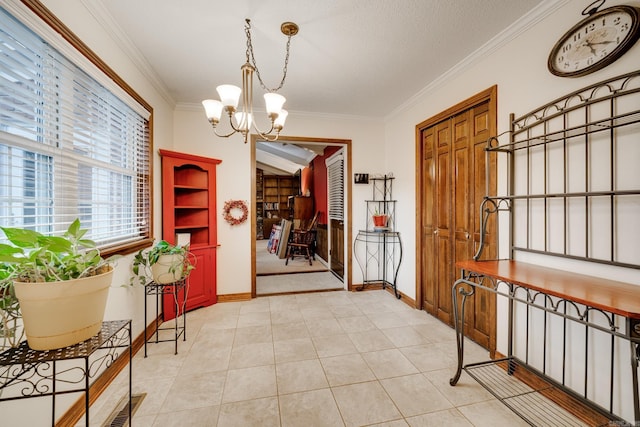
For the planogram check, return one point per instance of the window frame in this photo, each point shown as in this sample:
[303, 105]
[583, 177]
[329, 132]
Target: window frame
[78, 45]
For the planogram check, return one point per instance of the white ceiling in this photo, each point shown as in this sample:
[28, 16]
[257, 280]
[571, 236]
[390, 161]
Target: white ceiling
[284, 157]
[351, 57]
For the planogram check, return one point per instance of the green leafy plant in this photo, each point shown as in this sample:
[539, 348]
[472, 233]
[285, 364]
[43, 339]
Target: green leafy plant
[376, 212]
[146, 258]
[33, 257]
[11, 333]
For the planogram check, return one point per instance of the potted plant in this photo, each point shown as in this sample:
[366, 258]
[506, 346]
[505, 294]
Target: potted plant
[379, 220]
[58, 285]
[162, 263]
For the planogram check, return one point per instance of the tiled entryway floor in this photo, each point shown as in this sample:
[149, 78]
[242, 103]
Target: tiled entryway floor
[321, 359]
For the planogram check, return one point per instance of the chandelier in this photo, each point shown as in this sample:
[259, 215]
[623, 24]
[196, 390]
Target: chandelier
[241, 120]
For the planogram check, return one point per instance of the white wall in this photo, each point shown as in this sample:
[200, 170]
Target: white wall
[193, 134]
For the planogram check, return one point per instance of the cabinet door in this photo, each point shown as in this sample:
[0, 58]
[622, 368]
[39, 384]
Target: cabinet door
[201, 291]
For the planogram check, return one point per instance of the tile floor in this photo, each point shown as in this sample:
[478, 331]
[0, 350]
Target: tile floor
[320, 359]
[300, 282]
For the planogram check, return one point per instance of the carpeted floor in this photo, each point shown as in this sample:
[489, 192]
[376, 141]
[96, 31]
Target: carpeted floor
[268, 264]
[274, 277]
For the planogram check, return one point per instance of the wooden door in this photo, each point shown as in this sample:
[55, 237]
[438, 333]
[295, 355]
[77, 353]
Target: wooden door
[337, 247]
[428, 229]
[442, 211]
[482, 318]
[452, 185]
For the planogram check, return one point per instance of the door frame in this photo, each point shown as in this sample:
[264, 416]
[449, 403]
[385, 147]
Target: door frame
[347, 195]
[489, 95]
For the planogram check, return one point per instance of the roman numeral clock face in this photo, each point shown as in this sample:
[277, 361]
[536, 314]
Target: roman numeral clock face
[595, 42]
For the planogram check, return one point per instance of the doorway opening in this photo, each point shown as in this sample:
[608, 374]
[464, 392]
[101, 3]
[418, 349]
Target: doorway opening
[290, 191]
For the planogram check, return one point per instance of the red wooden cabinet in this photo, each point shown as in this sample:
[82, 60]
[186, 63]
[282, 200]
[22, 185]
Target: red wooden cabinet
[189, 206]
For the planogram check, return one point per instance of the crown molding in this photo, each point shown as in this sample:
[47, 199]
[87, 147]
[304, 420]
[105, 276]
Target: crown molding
[509, 34]
[115, 32]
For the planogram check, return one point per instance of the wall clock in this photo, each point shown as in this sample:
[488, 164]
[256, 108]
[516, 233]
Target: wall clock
[596, 41]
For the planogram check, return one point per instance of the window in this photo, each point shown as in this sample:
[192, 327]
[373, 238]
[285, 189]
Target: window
[69, 146]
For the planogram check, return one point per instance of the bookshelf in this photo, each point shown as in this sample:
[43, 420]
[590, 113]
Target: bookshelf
[276, 191]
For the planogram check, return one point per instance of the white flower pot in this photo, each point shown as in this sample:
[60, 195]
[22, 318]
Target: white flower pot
[60, 314]
[168, 268]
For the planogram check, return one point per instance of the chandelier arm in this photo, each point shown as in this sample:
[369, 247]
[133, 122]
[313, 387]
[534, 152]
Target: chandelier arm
[255, 65]
[215, 130]
[235, 128]
[261, 133]
[266, 137]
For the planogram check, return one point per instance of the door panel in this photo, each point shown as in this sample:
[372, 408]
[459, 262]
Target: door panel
[480, 329]
[428, 226]
[443, 299]
[461, 196]
[443, 221]
[337, 247]
[201, 284]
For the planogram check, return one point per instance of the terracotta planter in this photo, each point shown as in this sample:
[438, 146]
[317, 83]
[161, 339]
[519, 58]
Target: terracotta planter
[380, 220]
[168, 268]
[60, 314]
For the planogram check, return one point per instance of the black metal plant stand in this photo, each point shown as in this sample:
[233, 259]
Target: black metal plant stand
[27, 373]
[378, 249]
[179, 328]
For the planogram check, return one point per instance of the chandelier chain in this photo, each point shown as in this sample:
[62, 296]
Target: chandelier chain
[251, 56]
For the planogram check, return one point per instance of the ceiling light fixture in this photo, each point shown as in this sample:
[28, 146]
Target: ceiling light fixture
[242, 119]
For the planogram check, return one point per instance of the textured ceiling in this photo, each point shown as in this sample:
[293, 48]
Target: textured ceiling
[353, 57]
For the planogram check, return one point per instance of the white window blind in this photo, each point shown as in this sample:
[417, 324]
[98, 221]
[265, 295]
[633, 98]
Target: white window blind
[69, 148]
[335, 182]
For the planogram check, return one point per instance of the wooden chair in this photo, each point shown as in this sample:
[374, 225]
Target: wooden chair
[303, 242]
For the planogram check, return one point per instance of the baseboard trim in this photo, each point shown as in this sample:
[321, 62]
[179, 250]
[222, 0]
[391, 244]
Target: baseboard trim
[244, 296]
[76, 411]
[378, 286]
[280, 273]
[404, 298]
[310, 291]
